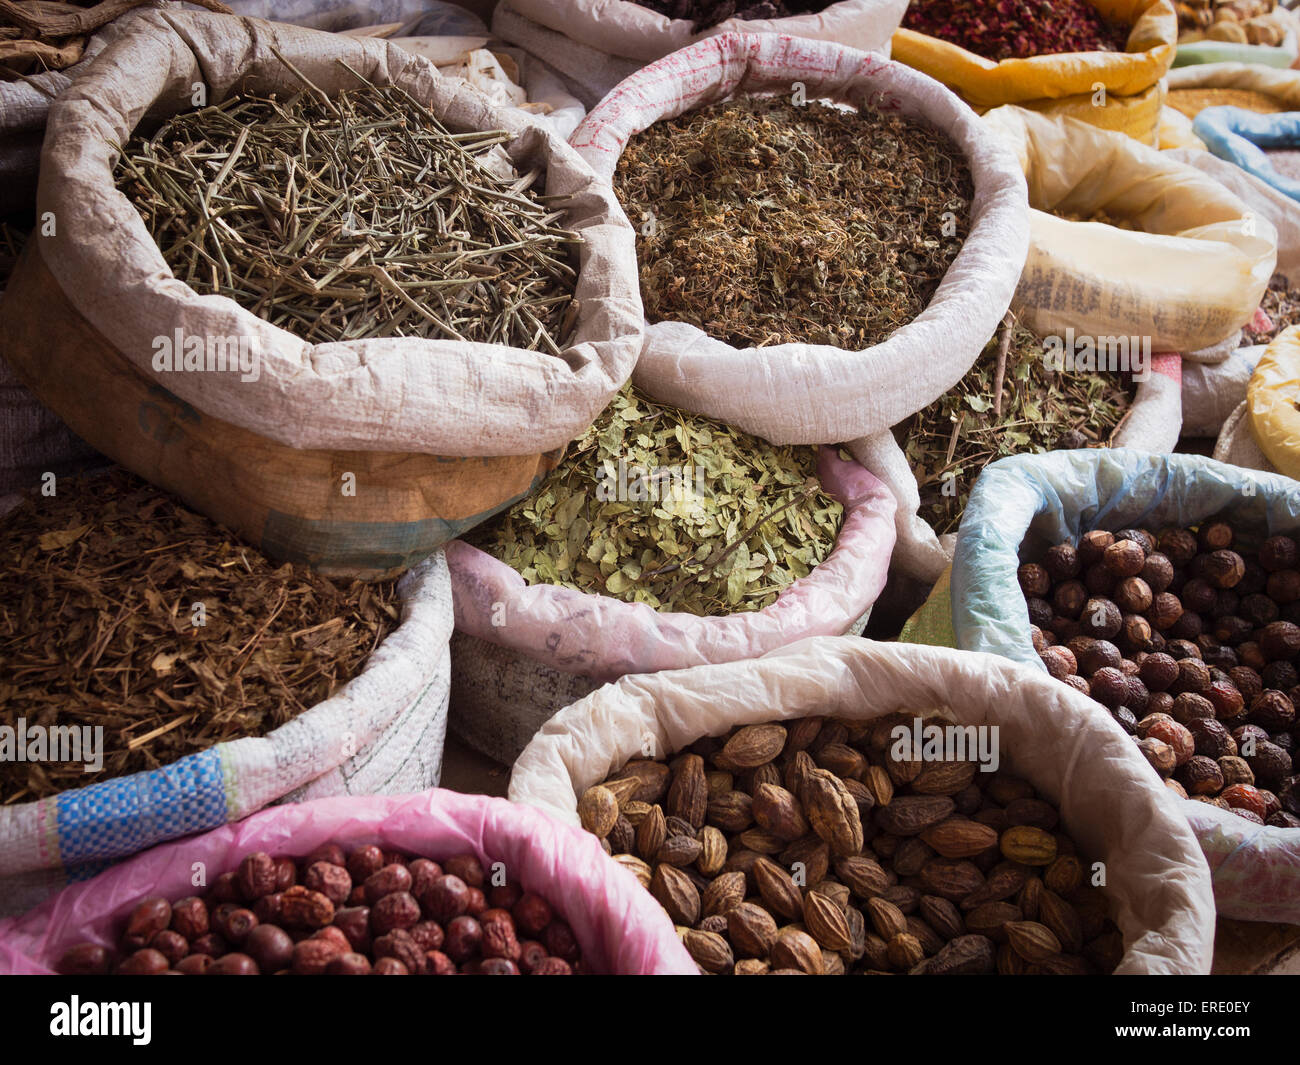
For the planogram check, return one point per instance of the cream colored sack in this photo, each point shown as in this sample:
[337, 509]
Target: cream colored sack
[1190, 277]
[1111, 802]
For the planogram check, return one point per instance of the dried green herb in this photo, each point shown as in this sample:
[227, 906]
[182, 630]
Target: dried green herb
[1281, 303]
[766, 223]
[698, 517]
[975, 423]
[361, 216]
[97, 593]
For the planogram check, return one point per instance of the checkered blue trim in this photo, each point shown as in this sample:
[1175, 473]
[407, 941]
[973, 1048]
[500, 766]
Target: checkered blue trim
[123, 816]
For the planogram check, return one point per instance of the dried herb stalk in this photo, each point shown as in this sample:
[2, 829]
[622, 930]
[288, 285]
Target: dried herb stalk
[764, 223]
[356, 217]
[738, 521]
[953, 439]
[97, 594]
[1281, 303]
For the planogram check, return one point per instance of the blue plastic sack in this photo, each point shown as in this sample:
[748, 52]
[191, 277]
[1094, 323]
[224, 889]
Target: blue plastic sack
[1240, 137]
[1021, 506]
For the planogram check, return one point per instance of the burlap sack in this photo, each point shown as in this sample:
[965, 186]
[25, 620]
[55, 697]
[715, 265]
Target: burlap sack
[1111, 803]
[438, 434]
[525, 651]
[382, 733]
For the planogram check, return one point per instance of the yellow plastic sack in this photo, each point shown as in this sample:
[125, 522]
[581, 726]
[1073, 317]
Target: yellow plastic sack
[985, 83]
[1271, 400]
[1189, 276]
[1134, 116]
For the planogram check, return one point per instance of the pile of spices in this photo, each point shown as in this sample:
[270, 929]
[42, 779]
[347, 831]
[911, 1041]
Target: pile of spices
[1009, 403]
[1281, 303]
[1016, 29]
[120, 608]
[654, 505]
[705, 14]
[364, 912]
[765, 223]
[36, 35]
[356, 217]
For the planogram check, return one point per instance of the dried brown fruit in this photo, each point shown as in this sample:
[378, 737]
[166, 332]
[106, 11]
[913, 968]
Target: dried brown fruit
[688, 794]
[910, 815]
[778, 811]
[957, 837]
[751, 929]
[778, 889]
[1028, 845]
[676, 893]
[753, 745]
[797, 950]
[1032, 941]
[710, 951]
[598, 811]
[833, 814]
[826, 922]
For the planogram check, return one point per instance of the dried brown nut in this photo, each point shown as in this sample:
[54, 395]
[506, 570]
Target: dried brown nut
[1224, 569]
[752, 746]
[944, 778]
[950, 879]
[234, 965]
[1193, 676]
[1171, 733]
[1226, 699]
[326, 852]
[905, 952]
[713, 851]
[842, 760]
[1158, 572]
[1179, 545]
[257, 876]
[1279, 640]
[1093, 544]
[1034, 580]
[349, 964]
[1133, 595]
[797, 950]
[354, 922]
[1064, 876]
[910, 815]
[991, 918]
[1272, 711]
[1101, 618]
[270, 947]
[598, 810]
[778, 890]
[1061, 562]
[304, 908]
[332, 881]
[190, 917]
[651, 833]
[710, 951]
[85, 959]
[624, 789]
[943, 916]
[1158, 672]
[1165, 612]
[389, 967]
[801, 732]
[1061, 919]
[722, 894]
[1109, 687]
[826, 922]
[1201, 776]
[363, 861]
[751, 929]
[1004, 880]
[311, 957]
[880, 786]
[467, 867]
[1033, 941]
[958, 837]
[651, 777]
[777, 811]
[195, 964]
[910, 855]
[1189, 707]
[864, 877]
[680, 850]
[1068, 599]
[211, 944]
[1028, 845]
[464, 937]
[1235, 770]
[965, 955]
[149, 917]
[1124, 558]
[233, 923]
[832, 812]
[688, 795]
[676, 893]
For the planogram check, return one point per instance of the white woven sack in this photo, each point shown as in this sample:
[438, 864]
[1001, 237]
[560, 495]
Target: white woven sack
[626, 29]
[381, 733]
[813, 393]
[1212, 392]
[1113, 806]
[438, 397]
[1236, 443]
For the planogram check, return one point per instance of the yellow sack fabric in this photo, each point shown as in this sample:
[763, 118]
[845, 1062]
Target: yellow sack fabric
[984, 83]
[1134, 116]
[1271, 402]
[1189, 276]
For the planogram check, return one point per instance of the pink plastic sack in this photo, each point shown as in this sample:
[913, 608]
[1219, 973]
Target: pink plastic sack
[605, 638]
[618, 924]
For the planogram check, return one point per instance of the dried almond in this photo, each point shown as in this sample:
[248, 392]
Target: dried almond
[826, 922]
[751, 929]
[778, 890]
[777, 811]
[958, 837]
[886, 918]
[794, 949]
[904, 952]
[753, 745]
[732, 811]
[710, 951]
[865, 877]
[1032, 941]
